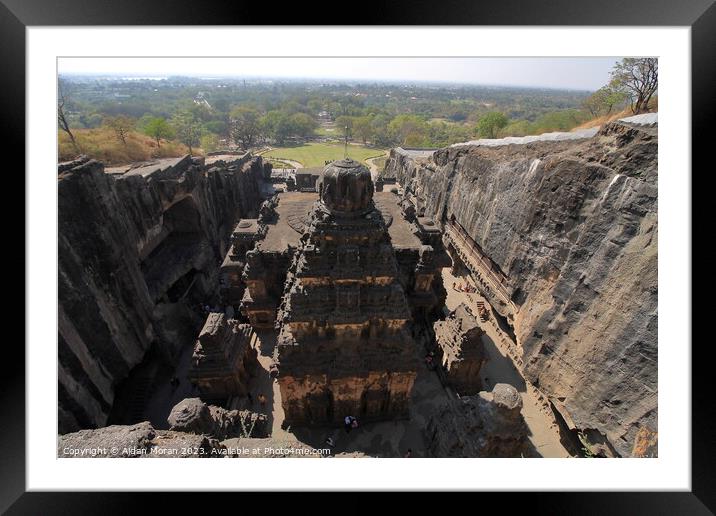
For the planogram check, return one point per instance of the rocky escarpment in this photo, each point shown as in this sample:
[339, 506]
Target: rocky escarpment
[564, 235]
[138, 248]
[136, 441]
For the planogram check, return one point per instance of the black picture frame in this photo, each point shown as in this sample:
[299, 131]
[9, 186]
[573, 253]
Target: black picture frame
[16, 15]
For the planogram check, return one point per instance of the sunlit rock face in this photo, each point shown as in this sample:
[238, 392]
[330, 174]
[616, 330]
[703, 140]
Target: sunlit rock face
[561, 233]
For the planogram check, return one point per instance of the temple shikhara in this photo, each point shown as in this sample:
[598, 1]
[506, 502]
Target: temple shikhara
[341, 294]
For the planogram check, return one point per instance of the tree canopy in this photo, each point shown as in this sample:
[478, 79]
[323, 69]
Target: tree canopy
[638, 78]
[245, 126]
[158, 128]
[490, 124]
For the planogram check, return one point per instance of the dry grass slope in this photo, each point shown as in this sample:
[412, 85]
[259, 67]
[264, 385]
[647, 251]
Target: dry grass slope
[102, 144]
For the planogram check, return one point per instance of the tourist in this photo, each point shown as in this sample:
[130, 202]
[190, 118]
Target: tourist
[262, 399]
[348, 423]
[273, 370]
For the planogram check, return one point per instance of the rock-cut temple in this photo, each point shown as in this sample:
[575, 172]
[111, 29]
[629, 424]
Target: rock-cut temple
[342, 299]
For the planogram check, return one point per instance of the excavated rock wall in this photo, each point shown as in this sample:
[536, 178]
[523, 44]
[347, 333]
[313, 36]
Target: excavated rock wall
[573, 226]
[129, 243]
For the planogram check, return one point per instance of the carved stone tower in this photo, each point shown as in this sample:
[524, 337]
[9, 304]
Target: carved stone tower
[344, 347]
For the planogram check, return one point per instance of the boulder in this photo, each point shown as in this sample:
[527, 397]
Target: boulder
[194, 416]
[487, 425]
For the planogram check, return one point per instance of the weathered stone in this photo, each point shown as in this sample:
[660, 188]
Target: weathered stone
[487, 425]
[135, 441]
[194, 416]
[561, 237]
[346, 187]
[191, 415]
[224, 358]
[460, 350]
[343, 347]
[137, 248]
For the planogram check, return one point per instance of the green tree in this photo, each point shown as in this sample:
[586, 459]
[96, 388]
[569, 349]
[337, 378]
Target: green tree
[603, 100]
[187, 127]
[409, 130]
[121, 125]
[209, 142]
[490, 124]
[277, 125]
[245, 126]
[363, 128]
[218, 127]
[638, 78]
[381, 134]
[303, 125]
[344, 123]
[158, 128]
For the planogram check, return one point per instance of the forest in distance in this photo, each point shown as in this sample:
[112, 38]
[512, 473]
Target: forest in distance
[130, 118]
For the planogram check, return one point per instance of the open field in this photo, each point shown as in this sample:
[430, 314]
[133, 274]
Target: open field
[330, 132]
[316, 154]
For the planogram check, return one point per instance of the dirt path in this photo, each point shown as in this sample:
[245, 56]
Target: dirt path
[500, 368]
[293, 163]
[373, 167]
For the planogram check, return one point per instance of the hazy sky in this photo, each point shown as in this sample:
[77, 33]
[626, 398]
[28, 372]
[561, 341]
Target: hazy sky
[586, 73]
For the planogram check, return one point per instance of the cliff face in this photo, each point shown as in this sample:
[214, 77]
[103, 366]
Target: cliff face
[136, 249]
[569, 231]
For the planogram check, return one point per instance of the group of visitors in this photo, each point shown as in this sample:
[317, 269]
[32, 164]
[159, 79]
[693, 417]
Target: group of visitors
[464, 287]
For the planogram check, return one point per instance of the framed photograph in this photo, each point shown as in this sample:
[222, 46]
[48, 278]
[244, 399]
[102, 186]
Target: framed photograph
[422, 250]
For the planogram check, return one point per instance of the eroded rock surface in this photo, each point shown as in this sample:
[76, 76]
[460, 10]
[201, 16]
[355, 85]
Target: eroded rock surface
[562, 237]
[460, 351]
[137, 248]
[194, 416]
[135, 441]
[487, 425]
